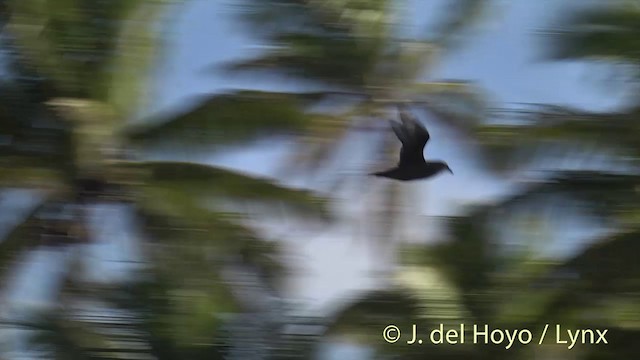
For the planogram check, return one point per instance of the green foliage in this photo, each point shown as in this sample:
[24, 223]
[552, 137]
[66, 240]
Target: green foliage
[551, 132]
[602, 33]
[608, 266]
[344, 44]
[25, 236]
[80, 67]
[80, 45]
[224, 119]
[461, 15]
[203, 181]
[158, 316]
[327, 58]
[469, 260]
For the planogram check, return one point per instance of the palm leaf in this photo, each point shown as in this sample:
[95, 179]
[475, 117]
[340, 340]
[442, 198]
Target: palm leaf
[21, 238]
[202, 236]
[71, 43]
[336, 43]
[370, 312]
[84, 111]
[323, 137]
[94, 125]
[457, 104]
[15, 173]
[556, 132]
[193, 226]
[202, 181]
[224, 119]
[604, 273]
[137, 45]
[274, 16]
[62, 337]
[462, 14]
[605, 195]
[469, 260]
[326, 59]
[625, 340]
[364, 319]
[606, 33]
[140, 316]
[608, 266]
[440, 299]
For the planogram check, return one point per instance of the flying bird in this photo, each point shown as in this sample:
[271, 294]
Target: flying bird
[412, 165]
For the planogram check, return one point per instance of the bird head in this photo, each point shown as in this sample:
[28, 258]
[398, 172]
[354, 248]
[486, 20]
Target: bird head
[444, 167]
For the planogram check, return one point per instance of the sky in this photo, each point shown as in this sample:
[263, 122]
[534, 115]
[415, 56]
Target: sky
[503, 55]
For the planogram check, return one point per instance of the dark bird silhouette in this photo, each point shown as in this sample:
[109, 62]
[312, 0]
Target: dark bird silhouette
[412, 165]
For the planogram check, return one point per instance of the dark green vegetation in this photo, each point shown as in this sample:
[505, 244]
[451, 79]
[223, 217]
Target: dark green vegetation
[77, 75]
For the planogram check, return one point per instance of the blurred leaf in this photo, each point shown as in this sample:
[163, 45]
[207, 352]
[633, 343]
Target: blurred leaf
[84, 111]
[63, 337]
[439, 298]
[31, 139]
[73, 43]
[566, 129]
[202, 181]
[609, 33]
[625, 341]
[469, 259]
[368, 314]
[603, 273]
[137, 47]
[208, 236]
[363, 320]
[327, 59]
[461, 15]
[94, 124]
[204, 226]
[460, 105]
[225, 119]
[605, 195]
[323, 137]
[15, 172]
[157, 313]
[22, 238]
[524, 306]
[608, 266]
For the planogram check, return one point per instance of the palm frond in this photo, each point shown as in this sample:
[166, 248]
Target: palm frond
[469, 259]
[326, 59]
[461, 15]
[608, 266]
[364, 319]
[224, 119]
[15, 172]
[606, 196]
[70, 43]
[605, 33]
[201, 181]
[460, 105]
[370, 309]
[557, 132]
[22, 238]
[136, 46]
[323, 136]
[61, 337]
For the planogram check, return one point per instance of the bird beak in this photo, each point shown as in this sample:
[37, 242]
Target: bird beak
[449, 169]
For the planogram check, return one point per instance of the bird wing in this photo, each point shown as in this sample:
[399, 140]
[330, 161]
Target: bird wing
[413, 135]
